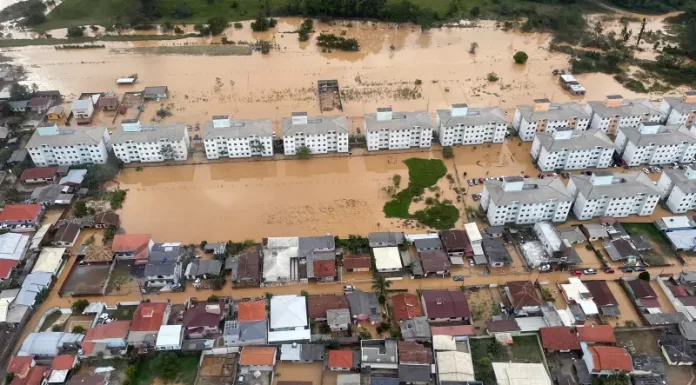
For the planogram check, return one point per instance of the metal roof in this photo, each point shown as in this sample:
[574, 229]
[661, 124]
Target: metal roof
[580, 140]
[316, 125]
[399, 121]
[238, 128]
[631, 184]
[473, 117]
[543, 190]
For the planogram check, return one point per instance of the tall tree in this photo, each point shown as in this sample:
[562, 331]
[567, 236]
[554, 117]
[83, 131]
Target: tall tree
[642, 29]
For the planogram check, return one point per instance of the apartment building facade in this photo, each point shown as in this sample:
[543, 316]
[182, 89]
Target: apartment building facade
[319, 134]
[64, 146]
[388, 130]
[133, 142]
[653, 143]
[605, 194]
[523, 201]
[680, 110]
[678, 188]
[463, 125]
[544, 116]
[237, 138]
[615, 112]
[567, 149]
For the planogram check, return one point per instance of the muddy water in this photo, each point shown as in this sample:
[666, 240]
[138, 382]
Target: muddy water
[273, 86]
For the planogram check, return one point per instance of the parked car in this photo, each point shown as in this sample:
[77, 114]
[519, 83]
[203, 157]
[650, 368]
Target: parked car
[589, 271]
[638, 269]
[458, 278]
[481, 180]
[627, 269]
[348, 288]
[645, 170]
[476, 182]
[609, 270]
[565, 175]
[470, 182]
[576, 272]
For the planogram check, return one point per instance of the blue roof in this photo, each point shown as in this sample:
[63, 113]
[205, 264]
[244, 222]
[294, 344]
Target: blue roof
[384, 381]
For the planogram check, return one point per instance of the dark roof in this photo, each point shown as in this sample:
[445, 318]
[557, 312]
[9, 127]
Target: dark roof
[434, 261]
[39, 173]
[648, 380]
[688, 300]
[455, 240]
[109, 218]
[360, 261]
[325, 268]
[204, 314]
[651, 364]
[677, 348]
[312, 352]
[248, 265]
[413, 352]
[445, 304]
[317, 305]
[502, 326]
[364, 304]
[48, 93]
[559, 338]
[601, 294]
[384, 381]
[664, 318]
[495, 250]
[523, 294]
[428, 243]
[66, 233]
[642, 289]
[414, 373]
[640, 242]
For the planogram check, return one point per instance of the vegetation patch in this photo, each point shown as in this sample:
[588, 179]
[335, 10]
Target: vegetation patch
[193, 50]
[660, 248]
[171, 367]
[486, 350]
[331, 41]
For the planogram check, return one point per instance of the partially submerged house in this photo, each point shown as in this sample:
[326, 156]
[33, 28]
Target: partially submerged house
[203, 269]
[379, 354]
[203, 320]
[319, 305]
[147, 320]
[288, 321]
[133, 247]
[523, 297]
[406, 306]
[385, 239]
[364, 306]
[445, 305]
[603, 298]
[110, 339]
[415, 361]
[250, 327]
[357, 262]
[245, 268]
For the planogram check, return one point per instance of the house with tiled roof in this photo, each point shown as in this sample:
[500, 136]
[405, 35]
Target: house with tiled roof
[357, 262]
[523, 297]
[133, 247]
[250, 327]
[111, 339]
[559, 339]
[325, 270]
[406, 306]
[445, 305]
[20, 365]
[606, 360]
[203, 319]
[253, 358]
[20, 217]
[676, 349]
[36, 376]
[61, 367]
[597, 334]
[147, 319]
[415, 361]
[604, 299]
[341, 360]
[318, 305]
[39, 175]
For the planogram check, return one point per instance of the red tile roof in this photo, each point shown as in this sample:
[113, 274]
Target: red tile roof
[20, 212]
[258, 356]
[650, 303]
[39, 173]
[6, 266]
[251, 311]
[559, 338]
[360, 261]
[204, 314]
[434, 261]
[35, 376]
[413, 352]
[115, 329]
[63, 362]
[325, 268]
[148, 317]
[406, 306]
[446, 304]
[457, 330]
[137, 243]
[20, 365]
[317, 305]
[341, 359]
[523, 294]
[597, 334]
[610, 358]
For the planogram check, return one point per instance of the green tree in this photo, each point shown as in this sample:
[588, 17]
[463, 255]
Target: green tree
[217, 25]
[75, 32]
[492, 77]
[203, 244]
[213, 298]
[380, 285]
[475, 11]
[9, 377]
[396, 179]
[304, 152]
[78, 329]
[304, 293]
[166, 366]
[447, 152]
[80, 209]
[79, 306]
[217, 283]
[520, 57]
[644, 275]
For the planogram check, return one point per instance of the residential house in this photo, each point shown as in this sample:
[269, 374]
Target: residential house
[415, 361]
[572, 234]
[325, 270]
[523, 297]
[147, 320]
[606, 360]
[39, 175]
[169, 337]
[133, 247]
[680, 110]
[7, 267]
[364, 306]
[55, 114]
[676, 349]
[302, 353]
[406, 306]
[559, 339]
[678, 188]
[246, 268]
[653, 143]
[597, 334]
[511, 373]
[415, 329]
[457, 246]
[66, 235]
[357, 263]
[476, 240]
[43, 345]
[644, 295]
[616, 113]
[338, 319]
[111, 339]
[238, 138]
[13, 246]
[50, 260]
[675, 223]
[133, 142]
[18, 106]
[26, 372]
[523, 201]
[594, 231]
[73, 179]
[603, 298]
[39, 105]
[576, 292]
[427, 244]
[82, 110]
[289, 320]
[155, 92]
[567, 149]
[108, 101]
[107, 219]
[388, 130]
[387, 259]
[250, 328]
[21, 217]
[544, 116]
[445, 305]
[203, 269]
[320, 134]
[435, 262]
[51, 145]
[466, 125]
[50, 195]
[203, 320]
[61, 366]
[495, 251]
[379, 354]
[385, 239]
[218, 249]
[257, 358]
[341, 360]
[163, 268]
[455, 367]
[318, 305]
[621, 250]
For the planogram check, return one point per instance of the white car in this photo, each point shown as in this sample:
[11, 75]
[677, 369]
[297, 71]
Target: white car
[645, 170]
[348, 288]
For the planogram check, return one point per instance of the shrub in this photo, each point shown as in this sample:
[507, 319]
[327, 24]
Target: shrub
[327, 40]
[79, 330]
[475, 11]
[644, 275]
[181, 11]
[178, 30]
[447, 152]
[75, 32]
[304, 153]
[213, 298]
[418, 82]
[79, 306]
[238, 25]
[166, 366]
[492, 77]
[217, 25]
[520, 57]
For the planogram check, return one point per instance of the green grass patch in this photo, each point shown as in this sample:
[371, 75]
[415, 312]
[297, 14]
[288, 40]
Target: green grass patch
[48, 322]
[9, 43]
[124, 313]
[661, 248]
[485, 351]
[186, 375]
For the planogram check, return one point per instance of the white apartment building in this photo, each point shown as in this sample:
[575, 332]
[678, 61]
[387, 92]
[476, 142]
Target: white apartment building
[605, 194]
[321, 134]
[653, 143]
[387, 130]
[523, 201]
[680, 110]
[134, 142]
[567, 149]
[50, 145]
[237, 138]
[678, 188]
[464, 125]
[615, 113]
[544, 116]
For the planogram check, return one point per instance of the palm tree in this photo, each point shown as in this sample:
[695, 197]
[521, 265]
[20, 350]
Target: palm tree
[380, 285]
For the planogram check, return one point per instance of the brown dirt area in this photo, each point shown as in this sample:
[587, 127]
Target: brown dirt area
[298, 372]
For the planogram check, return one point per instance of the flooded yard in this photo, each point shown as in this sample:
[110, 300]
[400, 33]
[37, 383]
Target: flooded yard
[628, 311]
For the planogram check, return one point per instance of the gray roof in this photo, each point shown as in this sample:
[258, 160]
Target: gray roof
[679, 178]
[75, 176]
[473, 117]
[572, 234]
[81, 104]
[338, 316]
[428, 243]
[164, 251]
[677, 348]
[399, 121]
[666, 135]
[545, 190]
[216, 247]
[386, 237]
[651, 364]
[688, 329]
[556, 111]
[307, 245]
[495, 250]
[156, 90]
[31, 287]
[361, 302]
[632, 184]
[150, 133]
[678, 103]
[46, 194]
[153, 269]
[581, 140]
[348, 379]
[239, 128]
[204, 267]
[416, 328]
[378, 351]
[634, 107]
[414, 373]
[18, 104]
[595, 230]
[316, 125]
[253, 330]
[551, 315]
[68, 136]
[19, 156]
[312, 352]
[47, 344]
[664, 318]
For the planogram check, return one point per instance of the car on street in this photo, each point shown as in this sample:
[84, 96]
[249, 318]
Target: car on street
[458, 278]
[609, 270]
[645, 170]
[476, 182]
[470, 182]
[481, 180]
[589, 271]
[627, 269]
[639, 269]
[348, 288]
[576, 272]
